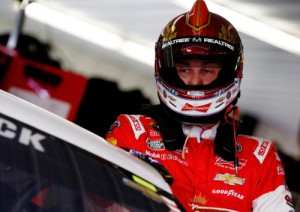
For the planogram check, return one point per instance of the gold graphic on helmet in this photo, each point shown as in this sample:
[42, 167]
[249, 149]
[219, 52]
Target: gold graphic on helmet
[197, 29]
[228, 34]
[170, 33]
[198, 17]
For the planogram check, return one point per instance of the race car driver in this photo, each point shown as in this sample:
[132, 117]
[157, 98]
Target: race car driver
[193, 132]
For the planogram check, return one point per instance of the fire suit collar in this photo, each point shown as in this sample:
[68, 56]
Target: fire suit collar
[200, 132]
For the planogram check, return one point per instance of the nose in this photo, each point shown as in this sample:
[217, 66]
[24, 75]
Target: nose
[196, 79]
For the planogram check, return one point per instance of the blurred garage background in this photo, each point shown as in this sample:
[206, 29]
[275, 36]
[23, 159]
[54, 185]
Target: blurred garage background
[111, 44]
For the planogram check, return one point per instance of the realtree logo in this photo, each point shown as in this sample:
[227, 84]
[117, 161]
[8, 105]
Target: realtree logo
[201, 108]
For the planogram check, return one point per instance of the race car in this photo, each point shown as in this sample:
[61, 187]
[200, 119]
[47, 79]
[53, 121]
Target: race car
[48, 163]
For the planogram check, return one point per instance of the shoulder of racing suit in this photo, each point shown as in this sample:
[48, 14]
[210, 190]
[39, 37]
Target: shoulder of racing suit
[259, 147]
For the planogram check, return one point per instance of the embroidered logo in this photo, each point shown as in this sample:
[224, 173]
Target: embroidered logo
[137, 126]
[229, 164]
[113, 126]
[280, 170]
[202, 199]
[230, 179]
[156, 144]
[228, 193]
[262, 149]
[112, 140]
[163, 156]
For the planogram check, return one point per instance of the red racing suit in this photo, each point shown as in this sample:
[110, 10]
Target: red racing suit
[203, 181]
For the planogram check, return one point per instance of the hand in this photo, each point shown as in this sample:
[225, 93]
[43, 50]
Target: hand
[157, 165]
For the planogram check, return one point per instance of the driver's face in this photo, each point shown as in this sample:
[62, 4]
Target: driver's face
[198, 72]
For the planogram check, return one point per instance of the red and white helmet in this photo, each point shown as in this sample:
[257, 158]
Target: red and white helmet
[204, 35]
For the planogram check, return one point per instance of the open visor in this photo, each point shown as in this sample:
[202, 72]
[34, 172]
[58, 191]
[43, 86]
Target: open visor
[174, 51]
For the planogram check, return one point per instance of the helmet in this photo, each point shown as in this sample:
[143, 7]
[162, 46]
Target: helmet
[204, 35]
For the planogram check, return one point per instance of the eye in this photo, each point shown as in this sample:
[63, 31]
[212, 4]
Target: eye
[208, 70]
[212, 68]
[183, 70]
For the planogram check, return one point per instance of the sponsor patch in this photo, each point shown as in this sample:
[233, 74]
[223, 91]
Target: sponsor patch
[200, 108]
[280, 170]
[228, 95]
[112, 140]
[156, 144]
[137, 126]
[262, 149]
[164, 156]
[113, 126]
[200, 198]
[228, 193]
[288, 200]
[154, 134]
[221, 99]
[172, 98]
[230, 179]
[230, 164]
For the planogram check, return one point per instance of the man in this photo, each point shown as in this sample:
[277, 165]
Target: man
[193, 131]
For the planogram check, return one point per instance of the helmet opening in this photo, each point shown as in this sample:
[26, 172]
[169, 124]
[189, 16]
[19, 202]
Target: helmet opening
[172, 54]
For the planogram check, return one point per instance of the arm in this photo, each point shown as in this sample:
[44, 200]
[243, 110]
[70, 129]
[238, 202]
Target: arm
[129, 133]
[272, 192]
